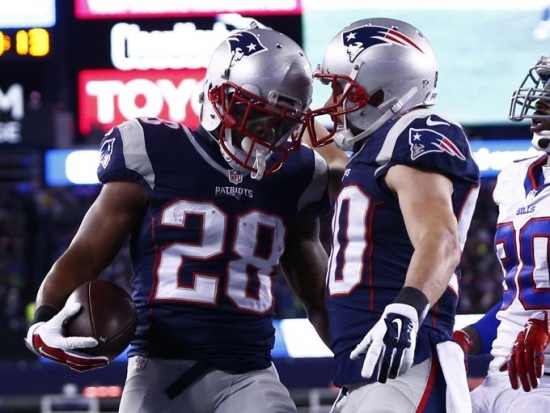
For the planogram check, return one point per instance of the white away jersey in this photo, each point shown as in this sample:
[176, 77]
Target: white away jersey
[522, 243]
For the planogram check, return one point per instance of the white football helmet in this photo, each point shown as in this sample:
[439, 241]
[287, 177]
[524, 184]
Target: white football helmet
[378, 68]
[534, 88]
[258, 86]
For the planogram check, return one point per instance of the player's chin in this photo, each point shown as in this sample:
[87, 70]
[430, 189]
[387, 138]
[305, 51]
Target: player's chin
[537, 127]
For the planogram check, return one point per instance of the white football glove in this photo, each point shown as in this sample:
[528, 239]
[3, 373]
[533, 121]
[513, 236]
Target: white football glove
[46, 339]
[389, 346]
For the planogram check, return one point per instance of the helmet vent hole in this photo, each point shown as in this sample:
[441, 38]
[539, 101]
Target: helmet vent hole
[278, 46]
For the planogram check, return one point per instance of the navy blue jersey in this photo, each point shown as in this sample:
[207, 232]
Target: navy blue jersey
[371, 247]
[208, 248]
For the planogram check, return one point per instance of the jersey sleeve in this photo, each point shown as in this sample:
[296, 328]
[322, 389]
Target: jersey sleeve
[487, 328]
[508, 177]
[431, 143]
[505, 179]
[315, 198]
[124, 157]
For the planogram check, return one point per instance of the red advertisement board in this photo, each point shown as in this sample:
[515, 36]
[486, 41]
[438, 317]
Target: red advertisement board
[108, 97]
[116, 9]
[151, 67]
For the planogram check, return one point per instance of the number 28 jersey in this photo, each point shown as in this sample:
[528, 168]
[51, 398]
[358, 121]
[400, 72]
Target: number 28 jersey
[208, 248]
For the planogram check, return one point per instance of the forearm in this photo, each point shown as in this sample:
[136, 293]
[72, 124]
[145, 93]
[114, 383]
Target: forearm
[63, 278]
[475, 339]
[432, 265]
[484, 331]
[425, 200]
[318, 317]
[311, 297]
[304, 267]
[102, 233]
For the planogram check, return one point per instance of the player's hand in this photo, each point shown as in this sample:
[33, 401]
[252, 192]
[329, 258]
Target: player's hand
[526, 359]
[465, 342]
[46, 339]
[389, 345]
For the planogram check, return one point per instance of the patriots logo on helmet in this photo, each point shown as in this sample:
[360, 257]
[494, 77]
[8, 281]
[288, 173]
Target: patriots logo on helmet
[244, 44]
[106, 152]
[361, 38]
[424, 141]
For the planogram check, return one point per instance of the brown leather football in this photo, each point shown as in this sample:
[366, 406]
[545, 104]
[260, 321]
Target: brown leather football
[108, 314]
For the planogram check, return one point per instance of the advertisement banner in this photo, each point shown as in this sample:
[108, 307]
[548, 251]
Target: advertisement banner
[108, 97]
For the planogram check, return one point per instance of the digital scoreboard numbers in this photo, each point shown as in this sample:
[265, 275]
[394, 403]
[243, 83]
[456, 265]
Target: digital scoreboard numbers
[32, 43]
[26, 29]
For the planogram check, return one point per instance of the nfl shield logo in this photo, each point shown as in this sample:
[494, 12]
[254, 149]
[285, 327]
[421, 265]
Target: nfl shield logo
[235, 177]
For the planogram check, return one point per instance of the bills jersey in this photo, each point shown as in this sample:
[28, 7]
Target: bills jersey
[207, 252]
[371, 248]
[522, 242]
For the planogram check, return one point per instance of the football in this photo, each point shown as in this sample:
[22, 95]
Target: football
[108, 314]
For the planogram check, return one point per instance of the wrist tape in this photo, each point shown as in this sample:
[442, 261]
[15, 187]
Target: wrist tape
[43, 313]
[416, 299]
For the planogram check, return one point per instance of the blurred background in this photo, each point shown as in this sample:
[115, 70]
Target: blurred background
[71, 69]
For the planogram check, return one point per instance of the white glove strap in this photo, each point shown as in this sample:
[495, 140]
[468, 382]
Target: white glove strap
[403, 309]
[51, 332]
[30, 333]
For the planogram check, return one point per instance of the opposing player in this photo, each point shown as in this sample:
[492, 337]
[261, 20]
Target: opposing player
[212, 213]
[518, 378]
[401, 217]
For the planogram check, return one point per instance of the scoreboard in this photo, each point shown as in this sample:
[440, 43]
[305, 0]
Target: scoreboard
[106, 61]
[150, 58]
[34, 42]
[26, 50]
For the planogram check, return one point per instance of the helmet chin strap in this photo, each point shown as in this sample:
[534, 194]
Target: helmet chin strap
[541, 141]
[260, 157]
[345, 139]
[259, 165]
[226, 156]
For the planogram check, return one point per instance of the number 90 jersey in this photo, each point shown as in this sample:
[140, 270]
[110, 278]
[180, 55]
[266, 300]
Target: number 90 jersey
[371, 247]
[208, 248]
[522, 242]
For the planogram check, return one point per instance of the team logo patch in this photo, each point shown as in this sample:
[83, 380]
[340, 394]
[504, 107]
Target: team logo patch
[361, 38]
[244, 44]
[141, 362]
[425, 141]
[235, 177]
[106, 152]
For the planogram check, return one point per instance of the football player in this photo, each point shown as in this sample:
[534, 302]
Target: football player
[518, 377]
[213, 215]
[403, 209]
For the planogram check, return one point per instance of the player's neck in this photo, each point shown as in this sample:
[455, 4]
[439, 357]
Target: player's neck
[208, 137]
